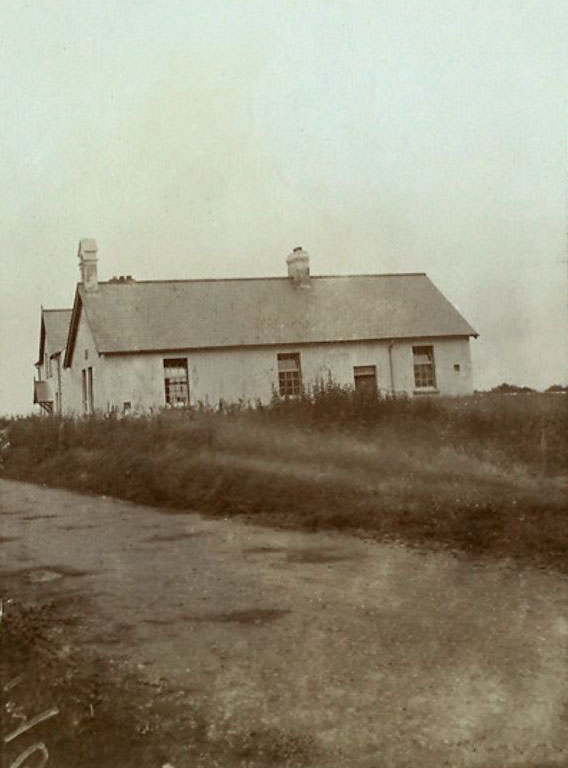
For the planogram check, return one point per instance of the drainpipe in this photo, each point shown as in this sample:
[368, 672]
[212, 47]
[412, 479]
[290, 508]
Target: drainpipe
[391, 369]
[60, 409]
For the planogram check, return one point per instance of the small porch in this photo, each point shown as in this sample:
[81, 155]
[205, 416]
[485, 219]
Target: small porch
[43, 396]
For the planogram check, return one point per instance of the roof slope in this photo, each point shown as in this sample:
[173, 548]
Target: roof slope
[54, 328]
[167, 315]
[57, 327]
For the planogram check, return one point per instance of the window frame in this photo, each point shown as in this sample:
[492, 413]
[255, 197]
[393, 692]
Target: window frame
[289, 379]
[173, 382]
[84, 390]
[90, 390]
[424, 373]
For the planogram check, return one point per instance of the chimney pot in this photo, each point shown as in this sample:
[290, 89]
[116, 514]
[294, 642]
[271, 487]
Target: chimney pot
[88, 263]
[299, 267]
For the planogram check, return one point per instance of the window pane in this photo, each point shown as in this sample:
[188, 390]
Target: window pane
[84, 388]
[289, 383]
[289, 376]
[288, 363]
[176, 381]
[91, 396]
[424, 371]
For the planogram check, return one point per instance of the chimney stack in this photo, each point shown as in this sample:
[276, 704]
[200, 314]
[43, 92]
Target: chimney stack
[299, 267]
[88, 263]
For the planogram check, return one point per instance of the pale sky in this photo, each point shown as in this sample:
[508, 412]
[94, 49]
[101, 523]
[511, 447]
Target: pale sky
[206, 138]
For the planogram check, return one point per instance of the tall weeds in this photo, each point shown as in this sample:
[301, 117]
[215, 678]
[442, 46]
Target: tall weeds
[478, 473]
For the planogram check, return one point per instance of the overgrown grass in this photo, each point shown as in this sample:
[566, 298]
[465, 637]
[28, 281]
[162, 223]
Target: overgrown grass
[478, 473]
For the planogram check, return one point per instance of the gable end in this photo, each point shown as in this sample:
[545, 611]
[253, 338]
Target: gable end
[73, 327]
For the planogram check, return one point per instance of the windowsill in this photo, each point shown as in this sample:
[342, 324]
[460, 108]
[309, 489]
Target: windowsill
[426, 391]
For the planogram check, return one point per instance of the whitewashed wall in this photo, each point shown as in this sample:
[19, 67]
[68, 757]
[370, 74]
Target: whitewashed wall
[85, 354]
[252, 373]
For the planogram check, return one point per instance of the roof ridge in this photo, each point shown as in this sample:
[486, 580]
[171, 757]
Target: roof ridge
[251, 279]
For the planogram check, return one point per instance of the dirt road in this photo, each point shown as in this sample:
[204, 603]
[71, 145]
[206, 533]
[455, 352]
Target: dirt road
[384, 655]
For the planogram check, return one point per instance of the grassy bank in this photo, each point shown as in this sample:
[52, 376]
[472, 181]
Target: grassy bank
[480, 474]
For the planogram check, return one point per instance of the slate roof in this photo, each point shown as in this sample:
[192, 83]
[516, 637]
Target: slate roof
[131, 316]
[54, 325]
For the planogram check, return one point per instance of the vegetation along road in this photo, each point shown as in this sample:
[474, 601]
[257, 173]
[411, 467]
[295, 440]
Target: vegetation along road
[308, 648]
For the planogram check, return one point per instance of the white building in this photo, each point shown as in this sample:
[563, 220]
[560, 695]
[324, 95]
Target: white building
[146, 344]
[48, 384]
